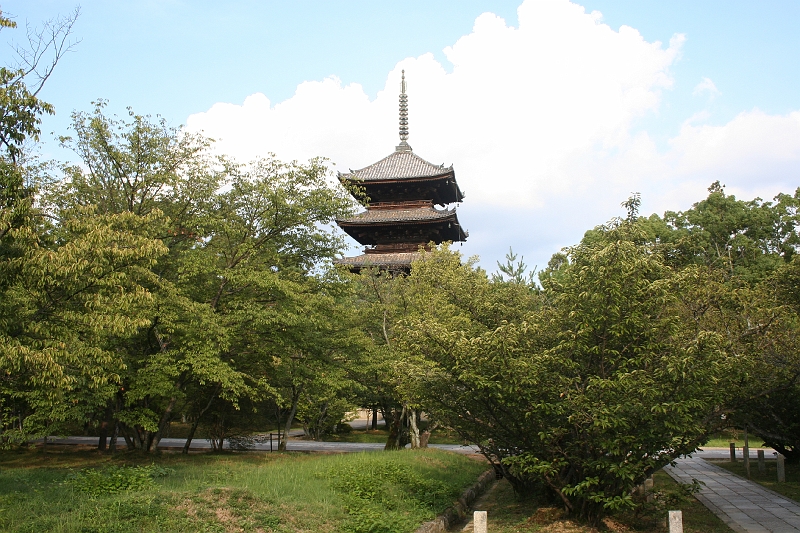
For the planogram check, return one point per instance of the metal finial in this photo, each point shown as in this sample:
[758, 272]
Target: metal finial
[404, 146]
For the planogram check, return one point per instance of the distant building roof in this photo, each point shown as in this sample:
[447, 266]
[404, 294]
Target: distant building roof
[398, 165]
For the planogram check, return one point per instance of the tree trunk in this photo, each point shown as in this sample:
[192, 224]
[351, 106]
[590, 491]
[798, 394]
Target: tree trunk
[101, 444]
[374, 418]
[197, 421]
[396, 431]
[189, 438]
[166, 418]
[413, 428]
[112, 447]
[129, 442]
[136, 437]
[387, 414]
[426, 435]
[289, 418]
[107, 418]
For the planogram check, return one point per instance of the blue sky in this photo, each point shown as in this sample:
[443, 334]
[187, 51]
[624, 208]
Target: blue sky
[714, 100]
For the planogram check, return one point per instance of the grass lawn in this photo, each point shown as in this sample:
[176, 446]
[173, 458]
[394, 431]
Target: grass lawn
[790, 489]
[366, 492]
[507, 514]
[724, 441]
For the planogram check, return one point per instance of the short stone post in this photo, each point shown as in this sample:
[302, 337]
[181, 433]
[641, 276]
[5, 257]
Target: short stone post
[781, 470]
[762, 466]
[733, 452]
[675, 522]
[479, 522]
[648, 489]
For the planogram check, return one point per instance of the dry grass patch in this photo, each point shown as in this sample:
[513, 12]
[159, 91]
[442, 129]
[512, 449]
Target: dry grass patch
[235, 510]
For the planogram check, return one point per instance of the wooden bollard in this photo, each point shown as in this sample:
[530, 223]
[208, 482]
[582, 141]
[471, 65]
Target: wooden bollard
[781, 470]
[675, 521]
[479, 522]
[733, 452]
[762, 466]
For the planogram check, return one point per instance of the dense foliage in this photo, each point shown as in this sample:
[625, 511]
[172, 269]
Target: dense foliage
[641, 341]
[153, 281]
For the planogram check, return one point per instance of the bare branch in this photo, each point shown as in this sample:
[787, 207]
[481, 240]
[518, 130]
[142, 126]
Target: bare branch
[46, 46]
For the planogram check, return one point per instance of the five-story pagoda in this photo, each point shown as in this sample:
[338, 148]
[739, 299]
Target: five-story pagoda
[402, 190]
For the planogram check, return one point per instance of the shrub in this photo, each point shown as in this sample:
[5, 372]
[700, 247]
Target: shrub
[114, 479]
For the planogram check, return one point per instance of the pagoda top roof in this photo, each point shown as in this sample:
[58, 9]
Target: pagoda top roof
[399, 214]
[401, 164]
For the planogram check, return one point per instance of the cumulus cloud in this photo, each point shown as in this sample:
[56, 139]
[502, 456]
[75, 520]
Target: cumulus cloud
[539, 122]
[706, 86]
[755, 153]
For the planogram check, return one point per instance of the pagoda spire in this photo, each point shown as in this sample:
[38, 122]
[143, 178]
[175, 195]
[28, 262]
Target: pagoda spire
[403, 146]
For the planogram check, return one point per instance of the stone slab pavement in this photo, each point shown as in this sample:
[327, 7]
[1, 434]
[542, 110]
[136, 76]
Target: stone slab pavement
[745, 506]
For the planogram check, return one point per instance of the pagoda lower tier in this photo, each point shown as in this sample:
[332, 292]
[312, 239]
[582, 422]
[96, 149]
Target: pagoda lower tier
[395, 231]
[393, 262]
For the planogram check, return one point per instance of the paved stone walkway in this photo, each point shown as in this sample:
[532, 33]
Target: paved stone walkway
[745, 506]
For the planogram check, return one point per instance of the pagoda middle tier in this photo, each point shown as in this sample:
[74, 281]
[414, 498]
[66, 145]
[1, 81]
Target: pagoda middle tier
[409, 222]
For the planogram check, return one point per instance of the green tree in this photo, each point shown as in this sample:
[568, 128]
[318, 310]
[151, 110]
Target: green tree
[771, 404]
[578, 392]
[246, 244]
[514, 270]
[748, 239]
[64, 289]
[750, 246]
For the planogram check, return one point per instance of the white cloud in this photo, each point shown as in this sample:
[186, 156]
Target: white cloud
[755, 153]
[706, 86]
[539, 123]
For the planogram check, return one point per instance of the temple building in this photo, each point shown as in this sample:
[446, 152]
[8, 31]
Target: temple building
[401, 190]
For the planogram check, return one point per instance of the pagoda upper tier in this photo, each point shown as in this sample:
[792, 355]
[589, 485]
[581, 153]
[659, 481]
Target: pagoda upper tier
[405, 176]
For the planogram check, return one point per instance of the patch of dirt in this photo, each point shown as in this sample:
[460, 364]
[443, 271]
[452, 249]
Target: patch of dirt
[616, 526]
[187, 506]
[225, 516]
[566, 526]
[546, 515]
